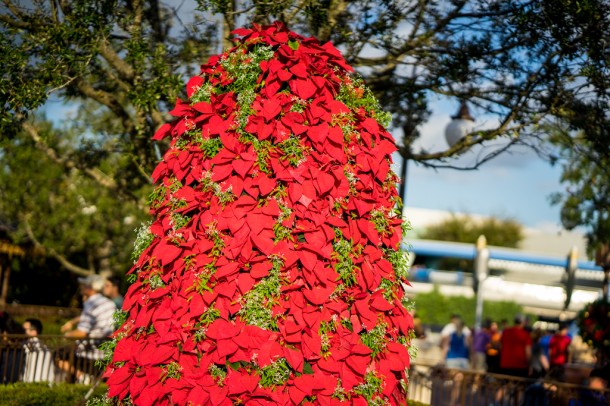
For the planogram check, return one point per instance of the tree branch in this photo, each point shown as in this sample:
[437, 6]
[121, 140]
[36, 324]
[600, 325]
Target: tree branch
[299, 7]
[94, 173]
[334, 9]
[228, 25]
[108, 100]
[138, 16]
[54, 11]
[125, 70]
[157, 118]
[14, 9]
[54, 254]
[14, 23]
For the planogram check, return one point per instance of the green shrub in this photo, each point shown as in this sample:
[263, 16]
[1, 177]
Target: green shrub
[42, 394]
[434, 308]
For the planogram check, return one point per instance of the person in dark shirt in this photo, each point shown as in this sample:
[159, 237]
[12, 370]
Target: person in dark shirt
[112, 290]
[539, 365]
[11, 350]
[595, 394]
[492, 352]
[480, 341]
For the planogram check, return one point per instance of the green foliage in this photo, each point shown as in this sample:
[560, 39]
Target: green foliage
[219, 373]
[209, 316]
[257, 303]
[143, 239]
[586, 171]
[370, 389]
[375, 338]
[275, 374]
[355, 94]
[173, 370]
[107, 347]
[400, 263]
[436, 309]
[42, 394]
[464, 228]
[343, 255]
[292, 151]
[67, 212]
[86, 190]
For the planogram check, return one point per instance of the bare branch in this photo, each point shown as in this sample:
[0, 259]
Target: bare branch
[125, 70]
[54, 254]
[94, 173]
[334, 9]
[110, 74]
[63, 85]
[155, 20]
[14, 9]
[13, 23]
[138, 16]
[228, 25]
[372, 62]
[54, 11]
[108, 100]
[418, 20]
[299, 7]
[478, 162]
[236, 13]
[157, 118]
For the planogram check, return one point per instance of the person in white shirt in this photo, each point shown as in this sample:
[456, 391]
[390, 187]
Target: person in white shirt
[39, 366]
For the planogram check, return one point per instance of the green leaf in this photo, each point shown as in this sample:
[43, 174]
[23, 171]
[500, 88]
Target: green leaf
[307, 369]
[294, 45]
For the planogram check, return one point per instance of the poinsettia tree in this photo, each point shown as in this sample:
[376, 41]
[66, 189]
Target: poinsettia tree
[272, 272]
[593, 323]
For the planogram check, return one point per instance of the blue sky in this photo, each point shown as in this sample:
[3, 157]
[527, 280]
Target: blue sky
[497, 189]
[516, 184]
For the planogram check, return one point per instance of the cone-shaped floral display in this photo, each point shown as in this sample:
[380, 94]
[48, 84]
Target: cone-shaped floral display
[271, 273]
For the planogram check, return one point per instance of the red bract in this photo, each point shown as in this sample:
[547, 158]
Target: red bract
[272, 272]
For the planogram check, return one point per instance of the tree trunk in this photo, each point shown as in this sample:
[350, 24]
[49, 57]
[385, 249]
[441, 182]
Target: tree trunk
[605, 282]
[602, 258]
[5, 273]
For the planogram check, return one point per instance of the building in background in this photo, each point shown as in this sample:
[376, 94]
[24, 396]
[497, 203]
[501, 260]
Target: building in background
[535, 275]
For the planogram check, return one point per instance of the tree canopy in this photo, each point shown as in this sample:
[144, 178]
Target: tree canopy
[580, 134]
[118, 65]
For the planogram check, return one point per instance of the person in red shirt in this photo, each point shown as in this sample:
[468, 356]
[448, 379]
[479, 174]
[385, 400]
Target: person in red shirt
[516, 349]
[559, 351]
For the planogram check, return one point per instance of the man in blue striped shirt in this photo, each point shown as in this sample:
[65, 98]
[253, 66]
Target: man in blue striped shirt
[93, 325]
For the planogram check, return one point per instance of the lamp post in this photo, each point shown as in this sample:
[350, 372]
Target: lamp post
[460, 125]
[481, 270]
[403, 182]
[570, 275]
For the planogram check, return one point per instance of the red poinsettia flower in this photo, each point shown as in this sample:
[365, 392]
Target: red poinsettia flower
[269, 274]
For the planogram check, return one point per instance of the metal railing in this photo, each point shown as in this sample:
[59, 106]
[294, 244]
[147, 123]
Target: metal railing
[451, 387]
[59, 359]
[48, 359]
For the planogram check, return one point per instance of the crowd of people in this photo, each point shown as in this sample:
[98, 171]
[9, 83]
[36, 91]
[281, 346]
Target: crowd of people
[33, 361]
[517, 350]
